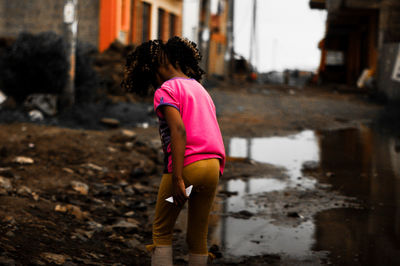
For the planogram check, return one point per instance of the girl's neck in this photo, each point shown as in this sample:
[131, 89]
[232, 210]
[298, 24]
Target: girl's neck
[168, 72]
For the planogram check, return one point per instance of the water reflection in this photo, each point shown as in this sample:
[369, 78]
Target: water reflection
[256, 236]
[289, 152]
[361, 163]
[366, 165]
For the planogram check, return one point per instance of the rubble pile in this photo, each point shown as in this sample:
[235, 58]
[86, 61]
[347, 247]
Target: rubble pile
[61, 203]
[110, 66]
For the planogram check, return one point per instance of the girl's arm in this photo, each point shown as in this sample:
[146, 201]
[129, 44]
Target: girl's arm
[178, 145]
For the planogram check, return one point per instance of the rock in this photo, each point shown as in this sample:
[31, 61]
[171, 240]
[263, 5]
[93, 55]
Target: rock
[129, 214]
[329, 174]
[73, 210]
[242, 214]
[36, 115]
[137, 172]
[23, 160]
[310, 166]
[133, 243]
[94, 167]
[35, 196]
[3, 192]
[80, 187]
[60, 208]
[6, 171]
[228, 193]
[6, 261]
[129, 225]
[294, 215]
[110, 122]
[47, 103]
[24, 191]
[123, 136]
[68, 170]
[111, 149]
[58, 259]
[5, 183]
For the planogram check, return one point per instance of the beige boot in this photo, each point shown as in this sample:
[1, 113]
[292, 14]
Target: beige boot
[161, 256]
[197, 259]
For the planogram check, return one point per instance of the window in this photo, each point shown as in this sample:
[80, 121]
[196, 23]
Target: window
[172, 25]
[161, 28]
[146, 22]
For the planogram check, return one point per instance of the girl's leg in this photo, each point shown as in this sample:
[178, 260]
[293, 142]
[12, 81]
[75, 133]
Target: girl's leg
[204, 176]
[165, 215]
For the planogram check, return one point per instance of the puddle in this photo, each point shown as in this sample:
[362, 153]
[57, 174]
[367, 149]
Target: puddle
[289, 152]
[361, 163]
[256, 236]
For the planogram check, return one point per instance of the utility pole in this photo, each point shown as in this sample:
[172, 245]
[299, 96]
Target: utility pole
[229, 54]
[70, 35]
[204, 32]
[253, 40]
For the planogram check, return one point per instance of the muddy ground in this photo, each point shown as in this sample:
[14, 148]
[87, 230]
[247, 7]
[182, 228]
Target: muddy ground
[78, 196]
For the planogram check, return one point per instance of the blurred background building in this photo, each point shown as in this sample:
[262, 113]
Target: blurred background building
[100, 21]
[362, 39]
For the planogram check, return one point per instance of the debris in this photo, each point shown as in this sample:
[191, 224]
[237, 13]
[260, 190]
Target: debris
[242, 214]
[329, 174]
[72, 209]
[5, 183]
[294, 215]
[23, 160]
[123, 136]
[46, 103]
[36, 115]
[80, 187]
[58, 259]
[94, 167]
[129, 225]
[24, 191]
[111, 122]
[310, 166]
[228, 193]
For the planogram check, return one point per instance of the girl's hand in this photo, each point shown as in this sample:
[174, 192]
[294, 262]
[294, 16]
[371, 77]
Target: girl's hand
[178, 191]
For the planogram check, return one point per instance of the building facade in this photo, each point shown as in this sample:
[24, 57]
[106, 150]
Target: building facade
[136, 21]
[100, 21]
[362, 36]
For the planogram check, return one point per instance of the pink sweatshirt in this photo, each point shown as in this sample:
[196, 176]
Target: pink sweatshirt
[203, 136]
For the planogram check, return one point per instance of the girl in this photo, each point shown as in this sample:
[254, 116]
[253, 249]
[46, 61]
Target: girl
[191, 139]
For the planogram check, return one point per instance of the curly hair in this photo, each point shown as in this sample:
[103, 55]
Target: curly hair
[185, 54]
[142, 64]
[141, 67]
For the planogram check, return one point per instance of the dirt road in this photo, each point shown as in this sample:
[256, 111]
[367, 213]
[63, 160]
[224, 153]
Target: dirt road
[74, 196]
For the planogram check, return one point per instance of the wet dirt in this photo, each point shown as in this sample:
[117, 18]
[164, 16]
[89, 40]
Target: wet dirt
[275, 205]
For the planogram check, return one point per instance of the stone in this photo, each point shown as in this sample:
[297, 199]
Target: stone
[110, 122]
[23, 160]
[123, 136]
[129, 225]
[310, 166]
[80, 187]
[36, 115]
[24, 191]
[68, 170]
[94, 167]
[5, 183]
[58, 259]
[73, 210]
[6, 172]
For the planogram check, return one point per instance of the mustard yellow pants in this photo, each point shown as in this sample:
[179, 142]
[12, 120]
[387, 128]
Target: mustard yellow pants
[203, 175]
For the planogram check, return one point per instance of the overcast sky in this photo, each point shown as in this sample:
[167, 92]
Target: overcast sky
[288, 32]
